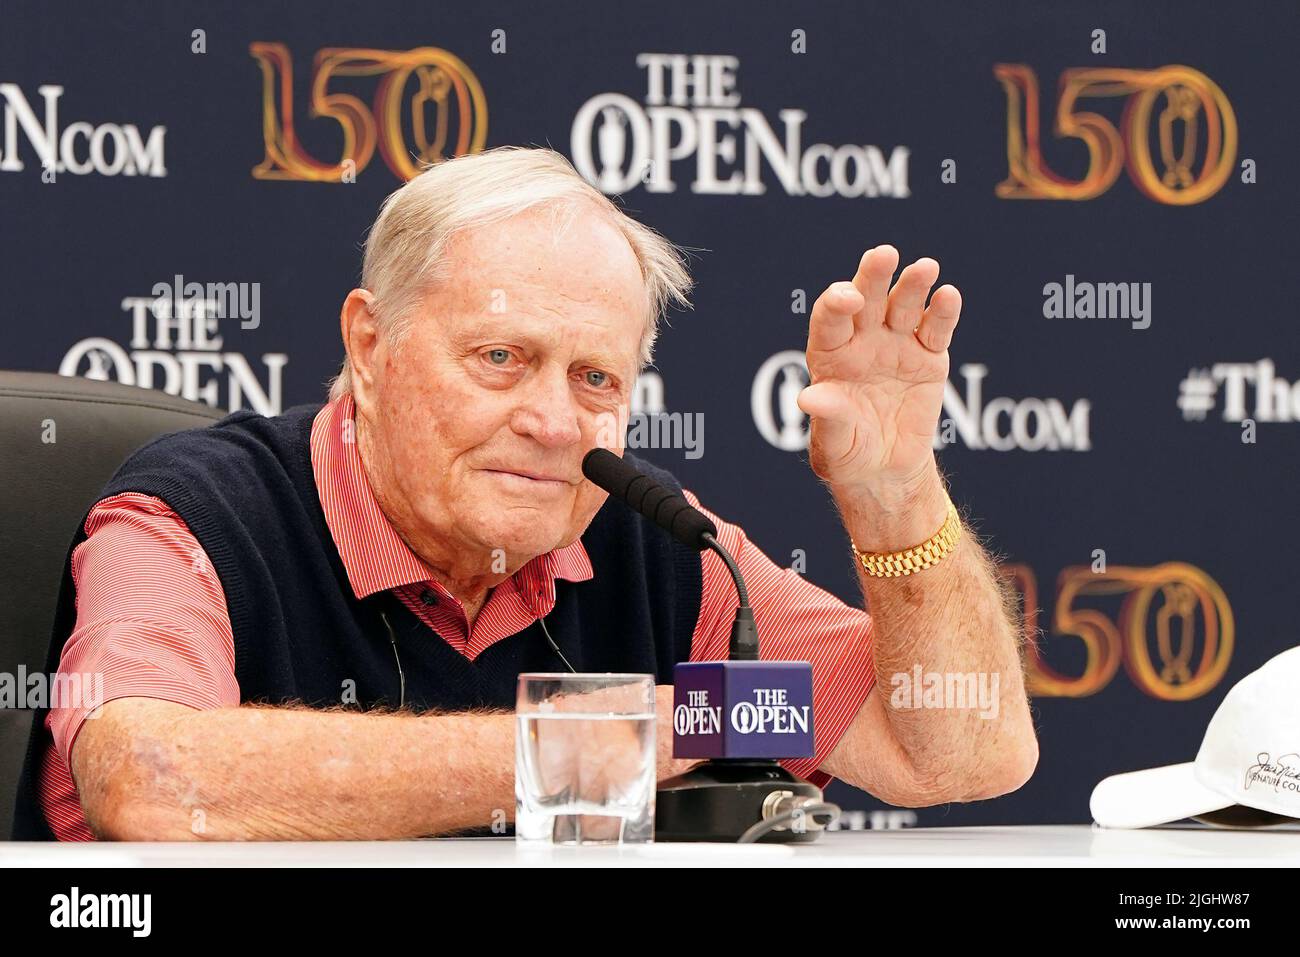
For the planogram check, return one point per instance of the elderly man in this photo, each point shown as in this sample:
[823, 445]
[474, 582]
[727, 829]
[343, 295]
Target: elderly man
[310, 626]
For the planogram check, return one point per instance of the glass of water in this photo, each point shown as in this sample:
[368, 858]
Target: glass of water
[585, 759]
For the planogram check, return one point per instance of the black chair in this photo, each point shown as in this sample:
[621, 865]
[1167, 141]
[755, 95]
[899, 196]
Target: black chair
[61, 439]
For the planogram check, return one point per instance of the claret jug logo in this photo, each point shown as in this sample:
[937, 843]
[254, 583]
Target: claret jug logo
[427, 106]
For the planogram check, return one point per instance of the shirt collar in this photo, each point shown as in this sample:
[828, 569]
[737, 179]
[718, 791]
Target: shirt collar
[374, 555]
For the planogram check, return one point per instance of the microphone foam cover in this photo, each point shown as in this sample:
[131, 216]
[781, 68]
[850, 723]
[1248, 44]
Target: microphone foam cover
[666, 508]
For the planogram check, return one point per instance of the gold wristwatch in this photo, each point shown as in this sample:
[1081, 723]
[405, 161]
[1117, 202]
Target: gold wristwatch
[915, 559]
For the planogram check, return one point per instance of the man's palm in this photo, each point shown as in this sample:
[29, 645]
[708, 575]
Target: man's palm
[878, 360]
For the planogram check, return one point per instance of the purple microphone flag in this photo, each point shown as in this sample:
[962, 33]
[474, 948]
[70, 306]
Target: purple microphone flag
[743, 709]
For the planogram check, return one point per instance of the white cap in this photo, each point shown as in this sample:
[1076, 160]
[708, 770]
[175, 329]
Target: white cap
[1250, 756]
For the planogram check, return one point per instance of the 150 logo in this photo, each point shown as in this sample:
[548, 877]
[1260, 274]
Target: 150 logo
[1169, 603]
[447, 111]
[1185, 107]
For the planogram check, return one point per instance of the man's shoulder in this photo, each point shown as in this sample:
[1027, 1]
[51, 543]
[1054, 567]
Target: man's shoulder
[241, 435]
[244, 457]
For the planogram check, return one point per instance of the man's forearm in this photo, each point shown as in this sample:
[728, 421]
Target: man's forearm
[152, 770]
[951, 620]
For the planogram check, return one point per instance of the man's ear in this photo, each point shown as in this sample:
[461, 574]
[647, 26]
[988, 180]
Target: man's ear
[361, 341]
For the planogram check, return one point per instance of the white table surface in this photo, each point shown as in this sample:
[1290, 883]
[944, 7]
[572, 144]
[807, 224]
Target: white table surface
[1055, 846]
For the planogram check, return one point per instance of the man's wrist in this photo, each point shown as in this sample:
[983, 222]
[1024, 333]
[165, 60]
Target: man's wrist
[892, 515]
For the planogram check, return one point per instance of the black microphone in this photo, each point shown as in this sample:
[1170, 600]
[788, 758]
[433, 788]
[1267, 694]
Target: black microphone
[667, 509]
[740, 714]
[683, 521]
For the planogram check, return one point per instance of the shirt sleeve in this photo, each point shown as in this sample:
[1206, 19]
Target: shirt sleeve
[797, 621]
[151, 616]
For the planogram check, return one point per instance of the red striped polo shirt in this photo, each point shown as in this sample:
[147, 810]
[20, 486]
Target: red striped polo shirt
[152, 616]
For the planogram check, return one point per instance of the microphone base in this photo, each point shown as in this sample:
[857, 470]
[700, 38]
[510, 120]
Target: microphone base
[721, 799]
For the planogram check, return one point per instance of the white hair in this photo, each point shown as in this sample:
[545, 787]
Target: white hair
[406, 248]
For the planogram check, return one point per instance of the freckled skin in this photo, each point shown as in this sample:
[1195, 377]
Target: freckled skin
[517, 362]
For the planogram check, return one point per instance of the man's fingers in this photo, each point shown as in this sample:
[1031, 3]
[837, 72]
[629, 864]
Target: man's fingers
[831, 324]
[868, 301]
[875, 272]
[940, 319]
[907, 300]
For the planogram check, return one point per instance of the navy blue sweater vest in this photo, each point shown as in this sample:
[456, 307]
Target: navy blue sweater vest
[245, 489]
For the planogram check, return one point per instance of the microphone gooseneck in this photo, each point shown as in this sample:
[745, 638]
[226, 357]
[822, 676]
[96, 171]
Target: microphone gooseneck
[743, 645]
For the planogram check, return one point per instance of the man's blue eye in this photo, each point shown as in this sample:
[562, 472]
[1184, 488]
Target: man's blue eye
[499, 357]
[596, 379]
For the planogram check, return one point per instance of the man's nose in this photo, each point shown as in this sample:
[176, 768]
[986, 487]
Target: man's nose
[549, 414]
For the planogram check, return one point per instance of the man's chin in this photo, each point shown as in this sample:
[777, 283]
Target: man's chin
[516, 545]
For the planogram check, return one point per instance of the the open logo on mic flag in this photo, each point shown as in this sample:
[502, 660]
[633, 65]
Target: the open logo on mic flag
[743, 709]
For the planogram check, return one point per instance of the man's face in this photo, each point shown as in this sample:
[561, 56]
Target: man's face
[514, 368]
